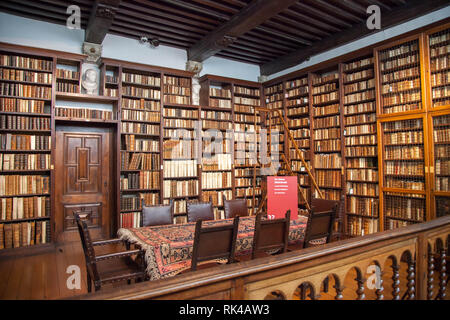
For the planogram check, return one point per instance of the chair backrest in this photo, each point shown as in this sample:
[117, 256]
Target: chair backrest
[233, 208]
[271, 234]
[88, 248]
[157, 215]
[199, 211]
[320, 221]
[216, 242]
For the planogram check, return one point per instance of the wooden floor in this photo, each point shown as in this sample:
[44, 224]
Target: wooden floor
[44, 276]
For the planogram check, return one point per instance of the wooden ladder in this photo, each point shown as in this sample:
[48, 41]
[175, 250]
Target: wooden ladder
[286, 160]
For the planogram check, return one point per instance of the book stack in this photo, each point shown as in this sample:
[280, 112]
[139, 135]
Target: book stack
[441, 138]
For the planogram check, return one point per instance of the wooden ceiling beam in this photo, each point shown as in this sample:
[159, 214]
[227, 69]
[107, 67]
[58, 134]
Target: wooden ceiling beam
[247, 19]
[412, 9]
[100, 20]
[311, 21]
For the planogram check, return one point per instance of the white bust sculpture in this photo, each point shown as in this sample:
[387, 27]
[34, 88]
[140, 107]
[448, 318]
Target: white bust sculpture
[89, 81]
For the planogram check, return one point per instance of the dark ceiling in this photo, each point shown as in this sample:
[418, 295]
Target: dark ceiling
[260, 32]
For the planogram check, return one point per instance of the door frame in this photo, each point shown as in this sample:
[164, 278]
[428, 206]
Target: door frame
[108, 225]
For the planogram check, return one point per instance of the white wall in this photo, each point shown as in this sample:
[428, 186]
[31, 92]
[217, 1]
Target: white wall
[370, 40]
[33, 33]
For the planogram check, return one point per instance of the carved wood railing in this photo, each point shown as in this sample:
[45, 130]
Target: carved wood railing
[413, 260]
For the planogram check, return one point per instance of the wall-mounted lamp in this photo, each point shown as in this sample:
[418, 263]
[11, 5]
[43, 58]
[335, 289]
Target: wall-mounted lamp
[151, 42]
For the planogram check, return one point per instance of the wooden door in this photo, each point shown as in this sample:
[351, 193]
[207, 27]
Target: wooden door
[83, 180]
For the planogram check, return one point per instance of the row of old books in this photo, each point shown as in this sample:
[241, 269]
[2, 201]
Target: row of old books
[360, 226]
[24, 208]
[361, 140]
[324, 88]
[24, 185]
[28, 91]
[220, 103]
[177, 81]
[25, 62]
[327, 161]
[140, 180]
[369, 175]
[176, 188]
[220, 93]
[331, 109]
[333, 145]
[369, 117]
[404, 152]
[67, 74]
[215, 115]
[137, 144]
[141, 92]
[67, 87]
[405, 137]
[15, 235]
[216, 180]
[24, 162]
[139, 128]
[359, 97]
[176, 90]
[177, 99]
[144, 116]
[356, 76]
[363, 206]
[83, 113]
[25, 76]
[247, 101]
[328, 178]
[21, 105]
[130, 220]
[180, 113]
[400, 75]
[139, 161]
[180, 169]
[133, 201]
[111, 92]
[325, 78]
[398, 167]
[246, 91]
[369, 151]
[154, 81]
[362, 189]
[179, 149]
[246, 118]
[216, 197]
[413, 184]
[24, 123]
[326, 122]
[9, 141]
[217, 162]
[348, 67]
[404, 207]
[361, 129]
[141, 104]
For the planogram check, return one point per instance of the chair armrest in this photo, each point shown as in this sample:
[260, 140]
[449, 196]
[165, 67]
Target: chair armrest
[118, 255]
[105, 242]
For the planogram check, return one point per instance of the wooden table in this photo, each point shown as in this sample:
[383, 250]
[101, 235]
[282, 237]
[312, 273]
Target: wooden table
[168, 248]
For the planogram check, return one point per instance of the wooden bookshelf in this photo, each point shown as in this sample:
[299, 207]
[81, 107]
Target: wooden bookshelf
[360, 146]
[297, 102]
[140, 127]
[68, 75]
[26, 85]
[180, 157]
[247, 126]
[326, 133]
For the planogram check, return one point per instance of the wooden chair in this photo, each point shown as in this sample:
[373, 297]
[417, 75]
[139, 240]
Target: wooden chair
[217, 242]
[233, 208]
[157, 215]
[199, 211]
[271, 235]
[112, 267]
[320, 222]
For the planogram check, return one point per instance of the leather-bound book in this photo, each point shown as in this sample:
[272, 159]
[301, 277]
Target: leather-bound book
[8, 234]
[16, 235]
[2, 237]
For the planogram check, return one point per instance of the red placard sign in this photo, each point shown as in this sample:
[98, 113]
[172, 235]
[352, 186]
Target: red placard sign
[282, 195]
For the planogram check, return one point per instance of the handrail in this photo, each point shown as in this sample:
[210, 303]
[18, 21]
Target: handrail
[253, 279]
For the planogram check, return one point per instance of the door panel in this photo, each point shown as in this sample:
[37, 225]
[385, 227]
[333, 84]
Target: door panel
[83, 170]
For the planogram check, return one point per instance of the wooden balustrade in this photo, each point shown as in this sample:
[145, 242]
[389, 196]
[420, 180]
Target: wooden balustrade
[420, 249]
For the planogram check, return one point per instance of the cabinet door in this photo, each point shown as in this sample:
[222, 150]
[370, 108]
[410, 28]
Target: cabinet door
[440, 163]
[403, 174]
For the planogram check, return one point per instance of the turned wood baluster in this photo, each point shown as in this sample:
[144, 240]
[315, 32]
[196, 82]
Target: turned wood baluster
[430, 276]
[380, 289]
[339, 290]
[411, 280]
[360, 290]
[443, 275]
[395, 282]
